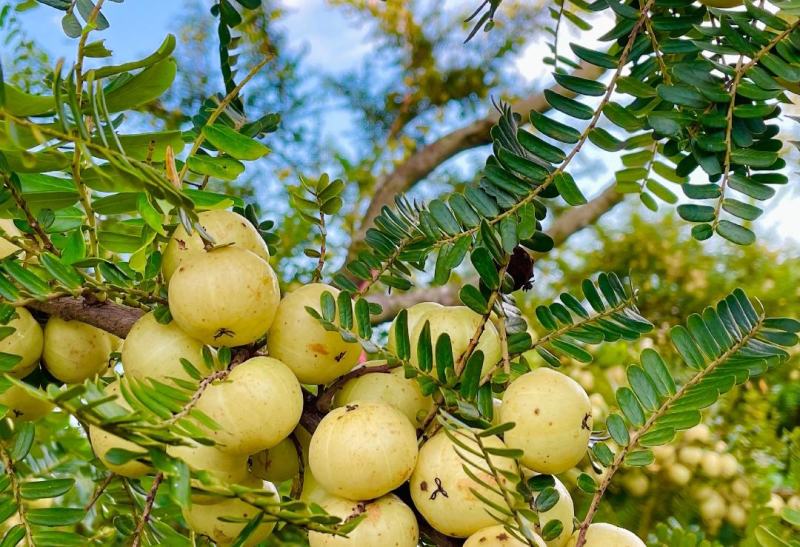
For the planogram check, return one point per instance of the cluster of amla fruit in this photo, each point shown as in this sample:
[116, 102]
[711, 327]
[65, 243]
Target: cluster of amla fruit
[361, 451]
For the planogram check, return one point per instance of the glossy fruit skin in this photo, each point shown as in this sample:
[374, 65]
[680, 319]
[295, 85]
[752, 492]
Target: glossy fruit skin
[224, 297]
[24, 407]
[413, 315]
[278, 464]
[315, 355]
[461, 513]
[226, 468]
[205, 519]
[564, 511]
[391, 388]
[388, 523]
[75, 351]
[722, 3]
[460, 323]
[553, 417]
[256, 406]
[27, 341]
[226, 227]
[497, 536]
[153, 350]
[103, 441]
[363, 450]
[602, 534]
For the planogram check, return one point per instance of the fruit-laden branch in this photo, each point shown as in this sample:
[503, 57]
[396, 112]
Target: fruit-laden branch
[571, 221]
[422, 162]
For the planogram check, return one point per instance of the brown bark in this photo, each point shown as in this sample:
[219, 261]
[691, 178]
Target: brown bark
[109, 316]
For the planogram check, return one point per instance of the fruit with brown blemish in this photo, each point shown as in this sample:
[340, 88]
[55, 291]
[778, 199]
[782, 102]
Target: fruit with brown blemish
[225, 227]
[26, 341]
[256, 406]
[154, 350]
[443, 492]
[224, 297]
[315, 355]
[23, 406]
[553, 417]
[387, 522]
[75, 351]
[498, 536]
[363, 450]
[602, 534]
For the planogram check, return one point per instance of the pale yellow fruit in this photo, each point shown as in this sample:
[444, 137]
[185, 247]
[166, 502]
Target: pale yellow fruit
[75, 351]
[363, 450]
[226, 468]
[6, 247]
[414, 313]
[204, 519]
[498, 536]
[700, 433]
[637, 484]
[153, 350]
[793, 503]
[713, 507]
[564, 511]
[602, 534]
[26, 341]
[225, 297]
[665, 454]
[737, 516]
[740, 488]
[226, 227]
[102, 442]
[710, 464]
[391, 388]
[388, 522]
[461, 324]
[315, 355]
[278, 464]
[679, 474]
[722, 3]
[440, 471]
[553, 419]
[690, 455]
[776, 503]
[24, 406]
[256, 406]
[728, 465]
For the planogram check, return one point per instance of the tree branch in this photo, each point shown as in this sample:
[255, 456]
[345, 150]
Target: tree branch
[422, 162]
[109, 316]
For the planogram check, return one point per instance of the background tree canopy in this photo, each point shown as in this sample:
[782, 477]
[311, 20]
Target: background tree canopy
[653, 141]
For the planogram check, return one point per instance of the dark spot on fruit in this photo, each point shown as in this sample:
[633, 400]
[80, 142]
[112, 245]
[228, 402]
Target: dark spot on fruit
[423, 486]
[350, 408]
[537, 411]
[318, 348]
[340, 356]
[502, 536]
[585, 422]
[482, 540]
[223, 332]
[181, 244]
[439, 489]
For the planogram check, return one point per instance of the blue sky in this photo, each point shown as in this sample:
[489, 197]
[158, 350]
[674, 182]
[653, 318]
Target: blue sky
[334, 43]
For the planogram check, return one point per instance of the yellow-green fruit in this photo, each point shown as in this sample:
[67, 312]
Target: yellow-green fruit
[24, 406]
[710, 464]
[256, 406]
[460, 323]
[728, 465]
[391, 388]
[226, 468]
[413, 315]
[498, 536]
[103, 441]
[722, 3]
[603, 534]
[388, 522]
[637, 484]
[315, 355]
[679, 474]
[690, 455]
[75, 351]
[737, 516]
[363, 450]
[553, 418]
[153, 350]
[6, 247]
[26, 341]
[713, 507]
[564, 511]
[205, 520]
[225, 227]
[443, 492]
[224, 297]
[278, 464]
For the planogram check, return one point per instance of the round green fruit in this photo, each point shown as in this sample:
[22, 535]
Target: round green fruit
[443, 492]
[224, 297]
[315, 355]
[75, 351]
[498, 536]
[363, 450]
[391, 388]
[388, 522]
[603, 534]
[153, 350]
[24, 406]
[279, 463]
[460, 323]
[413, 315]
[226, 227]
[553, 417]
[256, 406]
[27, 341]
